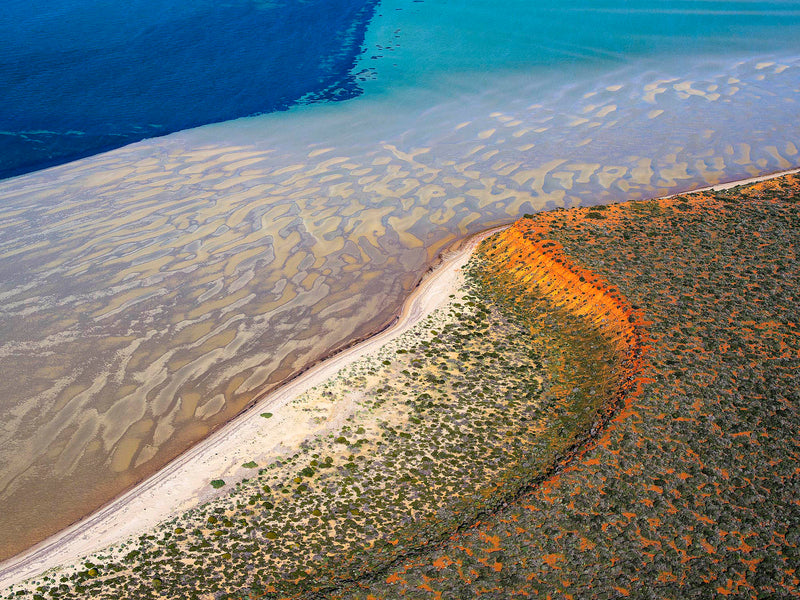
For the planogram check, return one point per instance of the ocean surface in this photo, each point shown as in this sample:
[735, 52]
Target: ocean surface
[151, 292]
[82, 77]
[79, 78]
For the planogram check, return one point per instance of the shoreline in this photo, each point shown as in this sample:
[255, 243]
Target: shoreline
[184, 482]
[718, 187]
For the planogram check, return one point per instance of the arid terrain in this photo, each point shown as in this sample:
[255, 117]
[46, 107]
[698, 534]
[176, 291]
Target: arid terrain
[692, 491]
[607, 406]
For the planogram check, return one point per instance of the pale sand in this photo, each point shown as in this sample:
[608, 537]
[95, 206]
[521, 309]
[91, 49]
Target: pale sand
[185, 483]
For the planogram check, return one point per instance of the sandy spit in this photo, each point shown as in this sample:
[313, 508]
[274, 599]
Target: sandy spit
[718, 187]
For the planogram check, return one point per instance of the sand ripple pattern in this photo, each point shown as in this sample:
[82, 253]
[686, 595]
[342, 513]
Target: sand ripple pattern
[149, 294]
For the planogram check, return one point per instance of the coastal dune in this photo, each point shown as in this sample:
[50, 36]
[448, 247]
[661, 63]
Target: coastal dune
[691, 492]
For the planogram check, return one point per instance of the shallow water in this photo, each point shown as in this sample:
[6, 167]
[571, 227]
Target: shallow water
[150, 293]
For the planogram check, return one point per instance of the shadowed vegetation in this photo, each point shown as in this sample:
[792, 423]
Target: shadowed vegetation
[693, 491]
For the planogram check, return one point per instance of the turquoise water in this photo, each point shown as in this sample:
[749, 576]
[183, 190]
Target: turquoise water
[421, 42]
[149, 293]
[79, 78]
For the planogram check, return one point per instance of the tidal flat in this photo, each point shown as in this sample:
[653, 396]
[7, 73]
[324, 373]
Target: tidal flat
[606, 408]
[152, 293]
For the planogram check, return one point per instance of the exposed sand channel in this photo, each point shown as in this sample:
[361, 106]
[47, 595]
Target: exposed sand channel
[185, 483]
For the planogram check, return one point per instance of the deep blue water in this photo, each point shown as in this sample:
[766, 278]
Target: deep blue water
[80, 77]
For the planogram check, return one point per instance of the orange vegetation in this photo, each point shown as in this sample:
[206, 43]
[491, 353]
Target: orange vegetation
[693, 489]
[526, 253]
